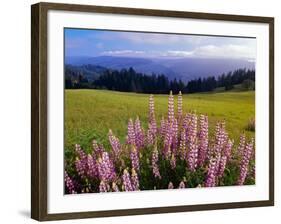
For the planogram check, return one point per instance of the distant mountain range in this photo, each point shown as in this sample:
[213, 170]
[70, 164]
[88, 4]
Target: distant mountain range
[185, 69]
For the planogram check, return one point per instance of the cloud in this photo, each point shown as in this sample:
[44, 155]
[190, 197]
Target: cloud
[177, 54]
[212, 51]
[123, 53]
[183, 39]
[225, 51]
[207, 51]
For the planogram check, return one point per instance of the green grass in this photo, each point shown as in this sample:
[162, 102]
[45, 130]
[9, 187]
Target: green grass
[89, 114]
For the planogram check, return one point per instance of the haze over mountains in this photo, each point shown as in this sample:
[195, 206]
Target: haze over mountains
[185, 69]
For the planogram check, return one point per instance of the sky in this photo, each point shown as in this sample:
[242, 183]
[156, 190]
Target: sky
[92, 43]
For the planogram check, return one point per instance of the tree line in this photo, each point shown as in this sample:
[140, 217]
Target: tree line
[128, 80]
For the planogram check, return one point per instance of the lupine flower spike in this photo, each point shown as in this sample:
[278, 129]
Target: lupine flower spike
[181, 185]
[182, 150]
[69, 183]
[244, 165]
[203, 140]
[241, 146]
[127, 181]
[106, 169]
[170, 186]
[163, 127]
[134, 158]
[115, 187]
[135, 180]
[211, 174]
[192, 144]
[139, 135]
[103, 187]
[92, 167]
[154, 161]
[131, 137]
[171, 114]
[115, 144]
[179, 106]
[152, 120]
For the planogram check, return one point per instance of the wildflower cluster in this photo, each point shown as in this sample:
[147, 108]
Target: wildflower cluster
[179, 153]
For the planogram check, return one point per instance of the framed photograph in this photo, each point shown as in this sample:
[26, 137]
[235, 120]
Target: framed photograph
[139, 111]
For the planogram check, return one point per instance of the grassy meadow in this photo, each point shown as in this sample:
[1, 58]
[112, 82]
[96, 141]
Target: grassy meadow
[89, 114]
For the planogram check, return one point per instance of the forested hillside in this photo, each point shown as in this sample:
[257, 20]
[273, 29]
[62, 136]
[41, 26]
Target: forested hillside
[128, 80]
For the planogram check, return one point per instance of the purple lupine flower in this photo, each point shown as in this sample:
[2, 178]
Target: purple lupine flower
[92, 166]
[193, 125]
[95, 146]
[80, 167]
[152, 126]
[115, 144]
[154, 161]
[109, 165]
[70, 186]
[186, 122]
[210, 180]
[228, 148]
[221, 166]
[170, 185]
[131, 137]
[173, 161]
[179, 105]
[104, 187]
[182, 151]
[244, 165]
[152, 120]
[171, 128]
[134, 158]
[203, 139]
[82, 155]
[224, 157]
[149, 137]
[171, 115]
[241, 145]
[168, 141]
[220, 137]
[151, 109]
[81, 161]
[106, 168]
[163, 127]
[101, 169]
[135, 180]
[175, 137]
[192, 156]
[97, 149]
[115, 187]
[181, 185]
[127, 181]
[217, 152]
[219, 143]
[139, 134]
